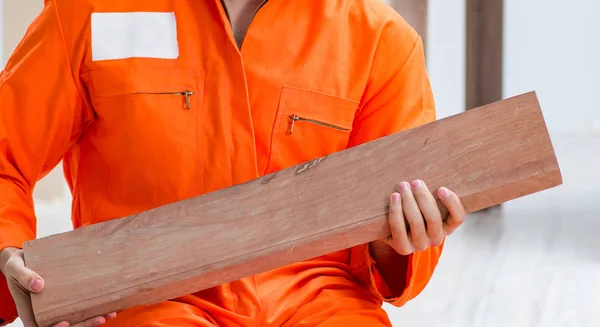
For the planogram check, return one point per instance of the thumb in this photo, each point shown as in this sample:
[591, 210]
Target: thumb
[27, 278]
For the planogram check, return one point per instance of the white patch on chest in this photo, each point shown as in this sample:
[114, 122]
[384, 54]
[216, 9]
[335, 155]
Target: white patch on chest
[134, 34]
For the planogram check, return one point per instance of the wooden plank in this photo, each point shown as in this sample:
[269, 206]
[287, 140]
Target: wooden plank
[415, 14]
[484, 53]
[292, 215]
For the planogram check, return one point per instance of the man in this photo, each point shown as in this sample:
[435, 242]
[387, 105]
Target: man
[151, 102]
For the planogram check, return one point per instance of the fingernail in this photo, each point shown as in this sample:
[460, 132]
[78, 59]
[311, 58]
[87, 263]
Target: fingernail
[100, 321]
[395, 197]
[444, 192]
[404, 186]
[417, 184]
[36, 285]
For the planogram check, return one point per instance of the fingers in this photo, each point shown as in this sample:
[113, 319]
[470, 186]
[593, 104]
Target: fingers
[430, 212]
[23, 303]
[412, 214]
[455, 208]
[428, 222]
[29, 280]
[399, 239]
[22, 281]
[93, 322]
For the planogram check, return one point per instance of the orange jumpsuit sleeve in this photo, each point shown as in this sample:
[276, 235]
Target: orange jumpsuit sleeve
[42, 116]
[398, 96]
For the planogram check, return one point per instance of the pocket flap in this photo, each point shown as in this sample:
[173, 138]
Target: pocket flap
[135, 79]
[318, 106]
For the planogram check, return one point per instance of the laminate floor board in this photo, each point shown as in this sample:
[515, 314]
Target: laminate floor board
[535, 263]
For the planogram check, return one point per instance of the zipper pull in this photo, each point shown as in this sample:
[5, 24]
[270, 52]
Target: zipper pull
[293, 119]
[188, 103]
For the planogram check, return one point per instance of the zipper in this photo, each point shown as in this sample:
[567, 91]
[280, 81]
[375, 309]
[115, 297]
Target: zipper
[187, 94]
[295, 118]
[262, 4]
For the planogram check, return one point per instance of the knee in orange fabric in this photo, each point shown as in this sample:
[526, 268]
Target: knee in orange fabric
[166, 314]
[339, 308]
[347, 321]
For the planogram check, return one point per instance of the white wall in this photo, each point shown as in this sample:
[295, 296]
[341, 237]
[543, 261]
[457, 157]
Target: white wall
[553, 46]
[446, 53]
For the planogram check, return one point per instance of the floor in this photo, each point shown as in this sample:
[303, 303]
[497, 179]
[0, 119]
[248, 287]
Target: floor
[534, 262]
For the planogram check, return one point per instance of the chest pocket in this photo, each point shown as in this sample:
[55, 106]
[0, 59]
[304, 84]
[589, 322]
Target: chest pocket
[309, 125]
[145, 138]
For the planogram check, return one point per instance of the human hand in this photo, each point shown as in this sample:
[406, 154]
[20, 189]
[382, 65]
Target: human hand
[416, 221]
[23, 281]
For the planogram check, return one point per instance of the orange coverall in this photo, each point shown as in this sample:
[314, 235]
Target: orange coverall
[143, 121]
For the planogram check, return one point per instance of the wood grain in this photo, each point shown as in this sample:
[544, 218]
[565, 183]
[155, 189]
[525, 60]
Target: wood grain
[487, 156]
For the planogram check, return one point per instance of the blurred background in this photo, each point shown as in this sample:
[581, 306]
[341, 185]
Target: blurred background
[533, 261]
